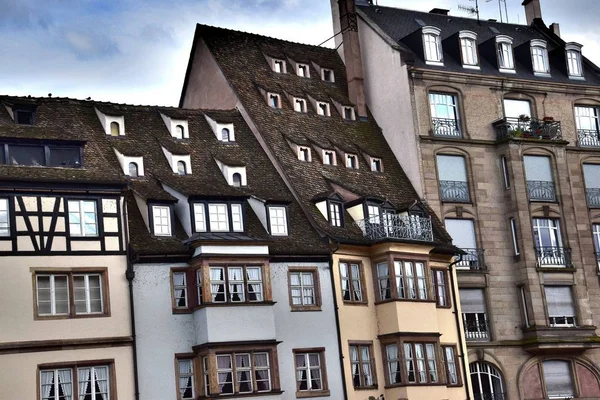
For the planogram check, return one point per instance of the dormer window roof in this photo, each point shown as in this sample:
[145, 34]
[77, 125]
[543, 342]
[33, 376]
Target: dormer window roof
[468, 49]
[574, 65]
[235, 175]
[505, 54]
[180, 164]
[132, 166]
[432, 45]
[539, 58]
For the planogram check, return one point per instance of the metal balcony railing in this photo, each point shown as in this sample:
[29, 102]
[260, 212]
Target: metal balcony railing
[388, 226]
[489, 396]
[593, 197]
[541, 191]
[553, 256]
[588, 138]
[476, 327]
[562, 322]
[531, 128]
[472, 261]
[455, 191]
[446, 127]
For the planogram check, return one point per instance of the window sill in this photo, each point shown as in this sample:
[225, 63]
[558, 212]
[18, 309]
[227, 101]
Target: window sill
[238, 395]
[555, 269]
[304, 308]
[372, 387]
[414, 384]
[77, 316]
[355, 303]
[311, 393]
[405, 300]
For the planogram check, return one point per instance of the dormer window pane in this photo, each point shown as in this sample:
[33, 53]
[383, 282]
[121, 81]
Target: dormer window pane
[335, 214]
[65, 157]
[278, 221]
[328, 158]
[278, 66]
[133, 170]
[376, 165]
[505, 58]
[539, 58]
[303, 154]
[237, 218]
[199, 218]
[300, 105]
[219, 221]
[26, 155]
[181, 170]
[225, 135]
[24, 117]
[432, 47]
[114, 129]
[327, 75]
[162, 220]
[323, 109]
[349, 113]
[351, 161]
[179, 132]
[574, 63]
[274, 100]
[469, 51]
[302, 71]
[237, 179]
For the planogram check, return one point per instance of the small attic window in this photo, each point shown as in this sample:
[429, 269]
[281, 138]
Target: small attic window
[115, 129]
[349, 113]
[304, 153]
[432, 45]
[133, 170]
[303, 71]
[181, 168]
[505, 54]
[376, 165]
[468, 49]
[351, 161]
[279, 66]
[224, 135]
[274, 100]
[574, 66]
[236, 179]
[328, 157]
[327, 75]
[299, 105]
[539, 57]
[23, 116]
[323, 108]
[179, 131]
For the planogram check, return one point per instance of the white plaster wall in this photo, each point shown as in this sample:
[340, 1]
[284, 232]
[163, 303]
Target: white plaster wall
[260, 210]
[234, 324]
[182, 209]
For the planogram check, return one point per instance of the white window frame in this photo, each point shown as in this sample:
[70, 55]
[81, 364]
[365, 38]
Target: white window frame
[349, 113]
[304, 150]
[93, 378]
[553, 229]
[279, 64]
[303, 288]
[349, 163]
[87, 293]
[52, 278]
[468, 49]
[325, 71]
[432, 45]
[189, 376]
[334, 211]
[333, 157]
[215, 210]
[539, 57]
[302, 108]
[275, 96]
[504, 53]
[56, 382]
[306, 69]
[574, 60]
[523, 294]
[278, 221]
[596, 238]
[182, 287]
[200, 217]
[589, 113]
[237, 218]
[161, 220]
[309, 371]
[323, 109]
[4, 217]
[82, 224]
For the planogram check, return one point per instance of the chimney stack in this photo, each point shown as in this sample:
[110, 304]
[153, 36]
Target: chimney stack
[532, 10]
[555, 28]
[352, 55]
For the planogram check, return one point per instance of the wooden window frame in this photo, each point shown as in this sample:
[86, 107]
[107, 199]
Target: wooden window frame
[435, 283]
[69, 272]
[363, 291]
[457, 362]
[317, 289]
[324, 391]
[358, 345]
[391, 260]
[73, 366]
[186, 357]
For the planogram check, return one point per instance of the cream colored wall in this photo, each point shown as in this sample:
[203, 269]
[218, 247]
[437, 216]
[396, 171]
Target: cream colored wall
[19, 372]
[17, 315]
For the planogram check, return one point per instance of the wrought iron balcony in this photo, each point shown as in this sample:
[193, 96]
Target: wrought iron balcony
[593, 197]
[529, 128]
[553, 256]
[446, 127]
[541, 191]
[489, 396]
[472, 261]
[455, 191]
[476, 327]
[588, 138]
[406, 227]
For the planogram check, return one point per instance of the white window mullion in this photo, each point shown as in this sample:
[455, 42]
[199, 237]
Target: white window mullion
[88, 302]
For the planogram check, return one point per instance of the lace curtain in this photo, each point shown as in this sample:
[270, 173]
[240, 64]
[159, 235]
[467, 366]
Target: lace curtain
[47, 383]
[101, 378]
[83, 376]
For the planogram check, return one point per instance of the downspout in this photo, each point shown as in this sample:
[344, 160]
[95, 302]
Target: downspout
[457, 319]
[337, 321]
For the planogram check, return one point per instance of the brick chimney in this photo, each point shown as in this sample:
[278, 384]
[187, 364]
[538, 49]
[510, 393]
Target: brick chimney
[554, 27]
[532, 10]
[352, 55]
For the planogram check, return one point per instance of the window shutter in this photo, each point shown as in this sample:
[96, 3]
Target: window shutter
[591, 174]
[557, 375]
[537, 168]
[452, 168]
[559, 300]
[472, 301]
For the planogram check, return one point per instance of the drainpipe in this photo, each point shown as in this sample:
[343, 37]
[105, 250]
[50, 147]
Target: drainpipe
[337, 321]
[457, 318]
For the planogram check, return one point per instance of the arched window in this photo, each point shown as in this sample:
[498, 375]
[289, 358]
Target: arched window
[432, 45]
[114, 129]
[133, 170]
[179, 131]
[181, 170]
[237, 179]
[225, 135]
[486, 381]
[539, 57]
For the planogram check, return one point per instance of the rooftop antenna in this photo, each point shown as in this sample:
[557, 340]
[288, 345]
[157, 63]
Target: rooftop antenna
[470, 9]
[505, 10]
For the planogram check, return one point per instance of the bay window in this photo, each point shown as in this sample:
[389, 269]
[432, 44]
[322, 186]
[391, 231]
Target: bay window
[411, 362]
[185, 379]
[409, 280]
[236, 284]
[473, 308]
[548, 244]
[362, 365]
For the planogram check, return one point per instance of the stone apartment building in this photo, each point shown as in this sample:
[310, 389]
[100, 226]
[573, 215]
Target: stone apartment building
[496, 125]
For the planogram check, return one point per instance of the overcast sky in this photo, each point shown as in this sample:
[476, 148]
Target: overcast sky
[136, 51]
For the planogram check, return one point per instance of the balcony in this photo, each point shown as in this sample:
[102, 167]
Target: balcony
[405, 227]
[541, 191]
[553, 257]
[527, 128]
[588, 138]
[446, 127]
[476, 327]
[455, 191]
[593, 197]
[472, 261]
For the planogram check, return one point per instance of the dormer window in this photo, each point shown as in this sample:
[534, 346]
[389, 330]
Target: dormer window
[432, 45]
[179, 132]
[161, 220]
[505, 54]
[335, 213]
[113, 125]
[351, 161]
[303, 71]
[278, 220]
[303, 153]
[323, 108]
[224, 135]
[222, 217]
[23, 115]
[178, 128]
[299, 105]
[539, 57]
[468, 49]
[274, 100]
[279, 66]
[376, 165]
[133, 170]
[574, 65]
[349, 113]
[328, 157]
[327, 75]
[181, 168]
[236, 180]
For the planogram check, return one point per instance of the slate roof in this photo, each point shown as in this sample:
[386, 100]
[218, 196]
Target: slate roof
[146, 135]
[241, 58]
[399, 24]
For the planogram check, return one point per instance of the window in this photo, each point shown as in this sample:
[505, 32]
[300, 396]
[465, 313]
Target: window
[82, 218]
[133, 170]
[505, 175]
[26, 155]
[558, 379]
[90, 383]
[310, 371]
[515, 237]
[444, 114]
[351, 161]
[574, 66]
[323, 109]
[409, 281]
[486, 381]
[23, 116]
[236, 179]
[349, 113]
[441, 288]
[596, 236]
[539, 57]
[185, 379]
[300, 105]
[278, 221]
[472, 304]
[64, 157]
[4, 218]
[303, 153]
[432, 45]
[452, 174]
[236, 218]
[548, 243]
[304, 289]
[420, 360]
[588, 128]
[327, 75]
[505, 54]
[351, 280]
[303, 71]
[335, 214]
[54, 295]
[41, 155]
[560, 306]
[236, 284]
[219, 217]
[161, 216]
[181, 169]
[225, 135]
[328, 157]
[180, 298]
[179, 132]
[279, 66]
[463, 237]
[540, 184]
[591, 176]
[115, 129]
[199, 290]
[376, 165]
[219, 221]
[468, 49]
[274, 101]
[523, 301]
[362, 365]
[449, 363]
[199, 217]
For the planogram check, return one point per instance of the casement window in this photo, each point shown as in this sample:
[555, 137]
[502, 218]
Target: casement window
[328, 157]
[4, 218]
[237, 222]
[299, 105]
[335, 213]
[303, 153]
[591, 176]
[452, 175]
[539, 57]
[115, 129]
[304, 289]
[419, 359]
[548, 244]
[181, 168]
[560, 306]
[558, 379]
[362, 366]
[323, 109]
[444, 114]
[66, 383]
[596, 238]
[37, 155]
[475, 321]
[349, 113]
[274, 100]
[310, 370]
[199, 217]
[441, 287]
[278, 221]
[486, 380]
[185, 379]
[514, 235]
[574, 65]
[376, 165]
[83, 219]
[352, 282]
[236, 284]
[327, 75]
[450, 365]
[133, 170]
[351, 161]
[303, 71]
[432, 45]
[180, 291]
[243, 373]
[463, 237]
[279, 66]
[206, 376]
[409, 281]
[222, 217]
[540, 183]
[468, 49]
[69, 294]
[161, 217]
[587, 124]
[505, 54]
